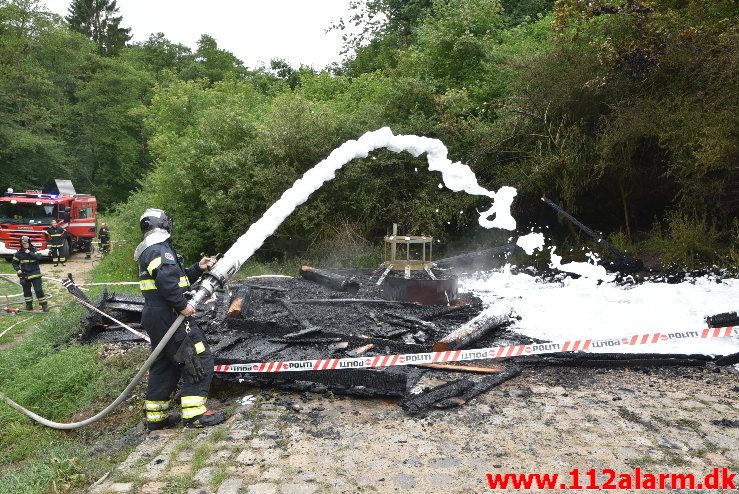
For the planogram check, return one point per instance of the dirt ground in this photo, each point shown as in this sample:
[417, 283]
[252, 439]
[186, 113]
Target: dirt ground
[548, 420]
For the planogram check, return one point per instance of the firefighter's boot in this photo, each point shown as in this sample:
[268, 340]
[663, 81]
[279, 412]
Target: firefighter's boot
[29, 306]
[45, 306]
[206, 419]
[172, 420]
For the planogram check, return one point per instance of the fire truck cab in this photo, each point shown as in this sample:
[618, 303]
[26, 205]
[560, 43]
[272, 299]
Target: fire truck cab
[31, 212]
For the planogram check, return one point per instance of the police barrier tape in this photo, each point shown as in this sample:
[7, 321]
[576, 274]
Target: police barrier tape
[473, 354]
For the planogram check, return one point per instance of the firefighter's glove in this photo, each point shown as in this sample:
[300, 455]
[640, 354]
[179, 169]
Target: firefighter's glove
[188, 356]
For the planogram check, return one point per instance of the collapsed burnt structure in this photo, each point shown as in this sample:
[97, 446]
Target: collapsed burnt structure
[286, 319]
[406, 306]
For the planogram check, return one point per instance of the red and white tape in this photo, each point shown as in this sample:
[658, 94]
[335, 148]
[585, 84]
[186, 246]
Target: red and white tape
[473, 354]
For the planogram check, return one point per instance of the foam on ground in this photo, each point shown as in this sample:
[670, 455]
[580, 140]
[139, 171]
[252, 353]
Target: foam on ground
[583, 308]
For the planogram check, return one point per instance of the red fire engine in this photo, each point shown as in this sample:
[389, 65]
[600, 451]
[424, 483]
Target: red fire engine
[30, 213]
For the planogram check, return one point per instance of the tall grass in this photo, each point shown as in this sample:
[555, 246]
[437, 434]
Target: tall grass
[51, 374]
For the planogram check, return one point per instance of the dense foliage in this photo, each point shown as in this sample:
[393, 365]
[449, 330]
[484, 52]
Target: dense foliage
[621, 110]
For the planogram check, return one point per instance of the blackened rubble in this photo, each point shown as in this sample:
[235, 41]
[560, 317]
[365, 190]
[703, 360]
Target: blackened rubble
[289, 319]
[280, 319]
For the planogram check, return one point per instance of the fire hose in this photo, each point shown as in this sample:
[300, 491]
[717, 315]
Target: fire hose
[456, 177]
[6, 277]
[210, 283]
[6, 307]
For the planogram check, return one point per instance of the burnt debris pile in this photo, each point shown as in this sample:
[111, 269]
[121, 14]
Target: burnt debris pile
[331, 314]
[328, 314]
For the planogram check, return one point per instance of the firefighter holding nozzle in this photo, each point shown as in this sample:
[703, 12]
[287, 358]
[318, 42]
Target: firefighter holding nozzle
[164, 282]
[26, 264]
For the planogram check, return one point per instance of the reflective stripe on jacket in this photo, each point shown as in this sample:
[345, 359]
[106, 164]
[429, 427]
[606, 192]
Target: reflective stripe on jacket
[27, 262]
[56, 236]
[162, 278]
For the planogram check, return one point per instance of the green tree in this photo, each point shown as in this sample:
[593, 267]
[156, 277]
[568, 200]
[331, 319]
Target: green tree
[99, 21]
[213, 63]
[39, 58]
[109, 140]
[379, 29]
[158, 54]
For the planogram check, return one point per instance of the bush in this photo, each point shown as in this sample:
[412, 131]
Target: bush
[686, 241]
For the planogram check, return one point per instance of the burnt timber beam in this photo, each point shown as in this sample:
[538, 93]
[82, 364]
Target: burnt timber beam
[482, 386]
[308, 327]
[237, 302]
[416, 404]
[330, 280]
[476, 328]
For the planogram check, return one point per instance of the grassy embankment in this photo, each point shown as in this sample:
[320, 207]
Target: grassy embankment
[43, 368]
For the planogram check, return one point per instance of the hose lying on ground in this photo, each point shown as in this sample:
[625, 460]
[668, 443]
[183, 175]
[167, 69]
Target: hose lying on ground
[14, 325]
[139, 375]
[6, 277]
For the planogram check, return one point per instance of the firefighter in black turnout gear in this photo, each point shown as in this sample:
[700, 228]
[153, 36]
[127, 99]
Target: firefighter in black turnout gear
[104, 236]
[56, 242]
[26, 264]
[164, 281]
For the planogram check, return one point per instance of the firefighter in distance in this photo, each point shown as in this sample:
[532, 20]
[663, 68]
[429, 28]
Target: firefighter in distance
[56, 242]
[26, 264]
[104, 236]
[164, 282]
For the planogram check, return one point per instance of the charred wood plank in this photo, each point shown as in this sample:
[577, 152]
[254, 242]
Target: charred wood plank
[370, 301]
[723, 320]
[305, 341]
[462, 368]
[382, 383]
[260, 332]
[360, 350]
[302, 332]
[622, 261]
[450, 310]
[237, 302]
[134, 308]
[330, 280]
[617, 360]
[420, 403]
[308, 328]
[93, 319]
[125, 299]
[491, 318]
[728, 359]
[482, 386]
[397, 332]
[264, 287]
[412, 321]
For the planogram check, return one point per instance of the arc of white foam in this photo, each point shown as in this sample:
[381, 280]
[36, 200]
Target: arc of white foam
[456, 176]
